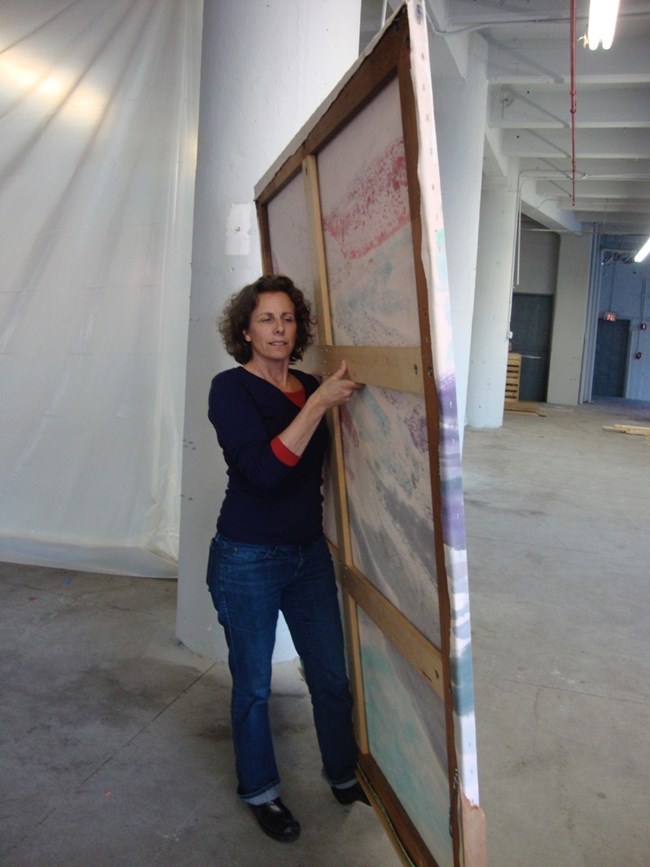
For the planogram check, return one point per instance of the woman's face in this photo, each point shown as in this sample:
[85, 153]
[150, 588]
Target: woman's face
[272, 328]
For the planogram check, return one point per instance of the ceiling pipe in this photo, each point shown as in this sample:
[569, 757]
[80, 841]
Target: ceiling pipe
[572, 30]
[509, 22]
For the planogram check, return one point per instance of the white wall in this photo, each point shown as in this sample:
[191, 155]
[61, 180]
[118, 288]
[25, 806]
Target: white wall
[539, 254]
[266, 67]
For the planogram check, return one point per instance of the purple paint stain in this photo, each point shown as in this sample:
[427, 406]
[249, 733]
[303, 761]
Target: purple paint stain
[448, 405]
[453, 511]
[417, 427]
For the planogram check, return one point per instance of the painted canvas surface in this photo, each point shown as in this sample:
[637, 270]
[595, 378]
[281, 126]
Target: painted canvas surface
[434, 264]
[369, 254]
[406, 731]
[378, 271]
[367, 229]
[389, 498]
[290, 236]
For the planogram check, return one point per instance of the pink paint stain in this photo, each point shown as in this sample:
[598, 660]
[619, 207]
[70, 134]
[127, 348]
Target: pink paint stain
[375, 207]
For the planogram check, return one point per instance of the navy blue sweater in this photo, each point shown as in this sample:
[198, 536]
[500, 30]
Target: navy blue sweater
[266, 502]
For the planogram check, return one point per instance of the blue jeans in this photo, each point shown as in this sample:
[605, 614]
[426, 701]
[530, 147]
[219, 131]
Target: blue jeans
[249, 585]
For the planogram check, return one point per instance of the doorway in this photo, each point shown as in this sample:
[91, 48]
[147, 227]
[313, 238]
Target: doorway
[531, 322]
[610, 364]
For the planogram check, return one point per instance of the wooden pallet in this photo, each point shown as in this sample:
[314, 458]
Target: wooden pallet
[513, 376]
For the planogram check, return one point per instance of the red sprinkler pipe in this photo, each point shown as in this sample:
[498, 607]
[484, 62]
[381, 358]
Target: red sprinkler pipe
[573, 101]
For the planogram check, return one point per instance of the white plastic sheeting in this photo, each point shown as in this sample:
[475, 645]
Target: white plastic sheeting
[98, 121]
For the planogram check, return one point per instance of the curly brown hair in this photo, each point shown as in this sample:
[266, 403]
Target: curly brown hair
[239, 308]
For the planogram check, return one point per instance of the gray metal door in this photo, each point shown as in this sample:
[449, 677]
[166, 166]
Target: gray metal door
[610, 365]
[530, 323]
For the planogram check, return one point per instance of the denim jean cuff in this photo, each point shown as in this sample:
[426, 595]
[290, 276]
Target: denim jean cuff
[263, 798]
[340, 784]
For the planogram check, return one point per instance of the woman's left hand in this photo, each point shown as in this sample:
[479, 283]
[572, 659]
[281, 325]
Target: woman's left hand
[336, 390]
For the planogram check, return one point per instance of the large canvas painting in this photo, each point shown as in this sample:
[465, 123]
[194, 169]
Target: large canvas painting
[351, 211]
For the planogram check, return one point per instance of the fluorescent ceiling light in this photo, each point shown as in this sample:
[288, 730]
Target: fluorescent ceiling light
[643, 252]
[602, 23]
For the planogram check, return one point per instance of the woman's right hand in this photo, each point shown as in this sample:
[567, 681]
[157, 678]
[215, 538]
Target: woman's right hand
[337, 389]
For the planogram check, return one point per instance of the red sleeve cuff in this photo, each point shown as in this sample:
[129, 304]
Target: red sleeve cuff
[284, 454]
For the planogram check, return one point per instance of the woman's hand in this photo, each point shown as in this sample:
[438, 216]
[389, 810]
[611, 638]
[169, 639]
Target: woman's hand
[334, 391]
[337, 389]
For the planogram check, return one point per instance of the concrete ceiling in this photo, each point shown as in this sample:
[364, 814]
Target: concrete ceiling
[529, 108]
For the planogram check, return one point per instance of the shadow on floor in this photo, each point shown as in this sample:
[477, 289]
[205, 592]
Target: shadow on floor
[116, 740]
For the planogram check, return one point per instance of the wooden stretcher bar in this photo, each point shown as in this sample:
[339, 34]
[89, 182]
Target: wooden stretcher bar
[422, 654]
[398, 367]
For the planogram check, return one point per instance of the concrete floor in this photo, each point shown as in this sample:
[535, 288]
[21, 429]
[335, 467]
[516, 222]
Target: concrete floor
[115, 738]
[558, 521]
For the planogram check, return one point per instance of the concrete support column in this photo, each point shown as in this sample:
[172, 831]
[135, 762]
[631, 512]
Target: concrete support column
[460, 104]
[569, 319]
[266, 67]
[492, 303]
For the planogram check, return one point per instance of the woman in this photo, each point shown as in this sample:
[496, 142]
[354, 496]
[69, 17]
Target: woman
[269, 553]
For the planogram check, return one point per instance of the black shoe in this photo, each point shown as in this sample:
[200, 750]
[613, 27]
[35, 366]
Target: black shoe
[350, 794]
[276, 820]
